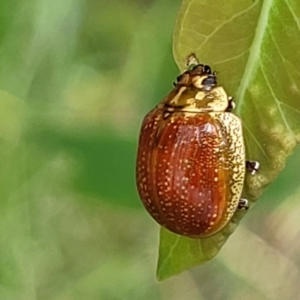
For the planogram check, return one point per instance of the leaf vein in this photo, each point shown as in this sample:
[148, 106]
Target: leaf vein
[231, 58]
[256, 141]
[275, 99]
[293, 14]
[224, 23]
[170, 253]
[290, 107]
[285, 62]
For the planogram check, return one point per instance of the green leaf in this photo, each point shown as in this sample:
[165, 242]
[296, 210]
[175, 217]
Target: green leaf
[254, 46]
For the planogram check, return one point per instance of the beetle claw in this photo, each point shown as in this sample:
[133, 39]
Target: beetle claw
[252, 166]
[231, 104]
[243, 204]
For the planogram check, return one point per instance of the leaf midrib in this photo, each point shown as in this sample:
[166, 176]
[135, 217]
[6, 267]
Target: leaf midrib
[254, 55]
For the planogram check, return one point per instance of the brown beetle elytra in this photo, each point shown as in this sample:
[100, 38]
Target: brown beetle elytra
[191, 156]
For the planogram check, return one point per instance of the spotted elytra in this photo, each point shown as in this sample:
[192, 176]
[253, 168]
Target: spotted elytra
[191, 156]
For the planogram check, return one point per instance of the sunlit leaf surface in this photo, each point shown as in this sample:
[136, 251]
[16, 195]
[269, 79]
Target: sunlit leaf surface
[254, 47]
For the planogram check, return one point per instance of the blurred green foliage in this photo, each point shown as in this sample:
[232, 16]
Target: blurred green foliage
[76, 79]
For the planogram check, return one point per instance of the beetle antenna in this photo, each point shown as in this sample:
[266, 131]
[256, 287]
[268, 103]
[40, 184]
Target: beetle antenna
[191, 61]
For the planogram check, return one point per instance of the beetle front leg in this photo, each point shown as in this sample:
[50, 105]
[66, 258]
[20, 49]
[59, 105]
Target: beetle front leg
[231, 104]
[252, 166]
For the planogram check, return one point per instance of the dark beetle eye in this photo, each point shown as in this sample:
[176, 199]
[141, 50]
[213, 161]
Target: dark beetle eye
[207, 69]
[211, 80]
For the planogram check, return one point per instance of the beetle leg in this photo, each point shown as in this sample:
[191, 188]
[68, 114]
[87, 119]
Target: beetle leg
[231, 104]
[243, 204]
[252, 166]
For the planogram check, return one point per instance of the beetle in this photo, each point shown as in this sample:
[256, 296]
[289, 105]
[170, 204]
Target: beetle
[191, 166]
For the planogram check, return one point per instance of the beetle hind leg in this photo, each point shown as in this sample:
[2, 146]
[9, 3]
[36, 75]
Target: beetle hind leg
[252, 166]
[243, 204]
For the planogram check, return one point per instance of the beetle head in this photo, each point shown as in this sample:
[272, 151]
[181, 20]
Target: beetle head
[196, 90]
[197, 75]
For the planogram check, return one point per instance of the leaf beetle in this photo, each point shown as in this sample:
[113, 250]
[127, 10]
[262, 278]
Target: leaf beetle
[191, 166]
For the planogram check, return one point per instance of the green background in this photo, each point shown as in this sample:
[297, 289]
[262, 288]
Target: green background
[76, 79]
